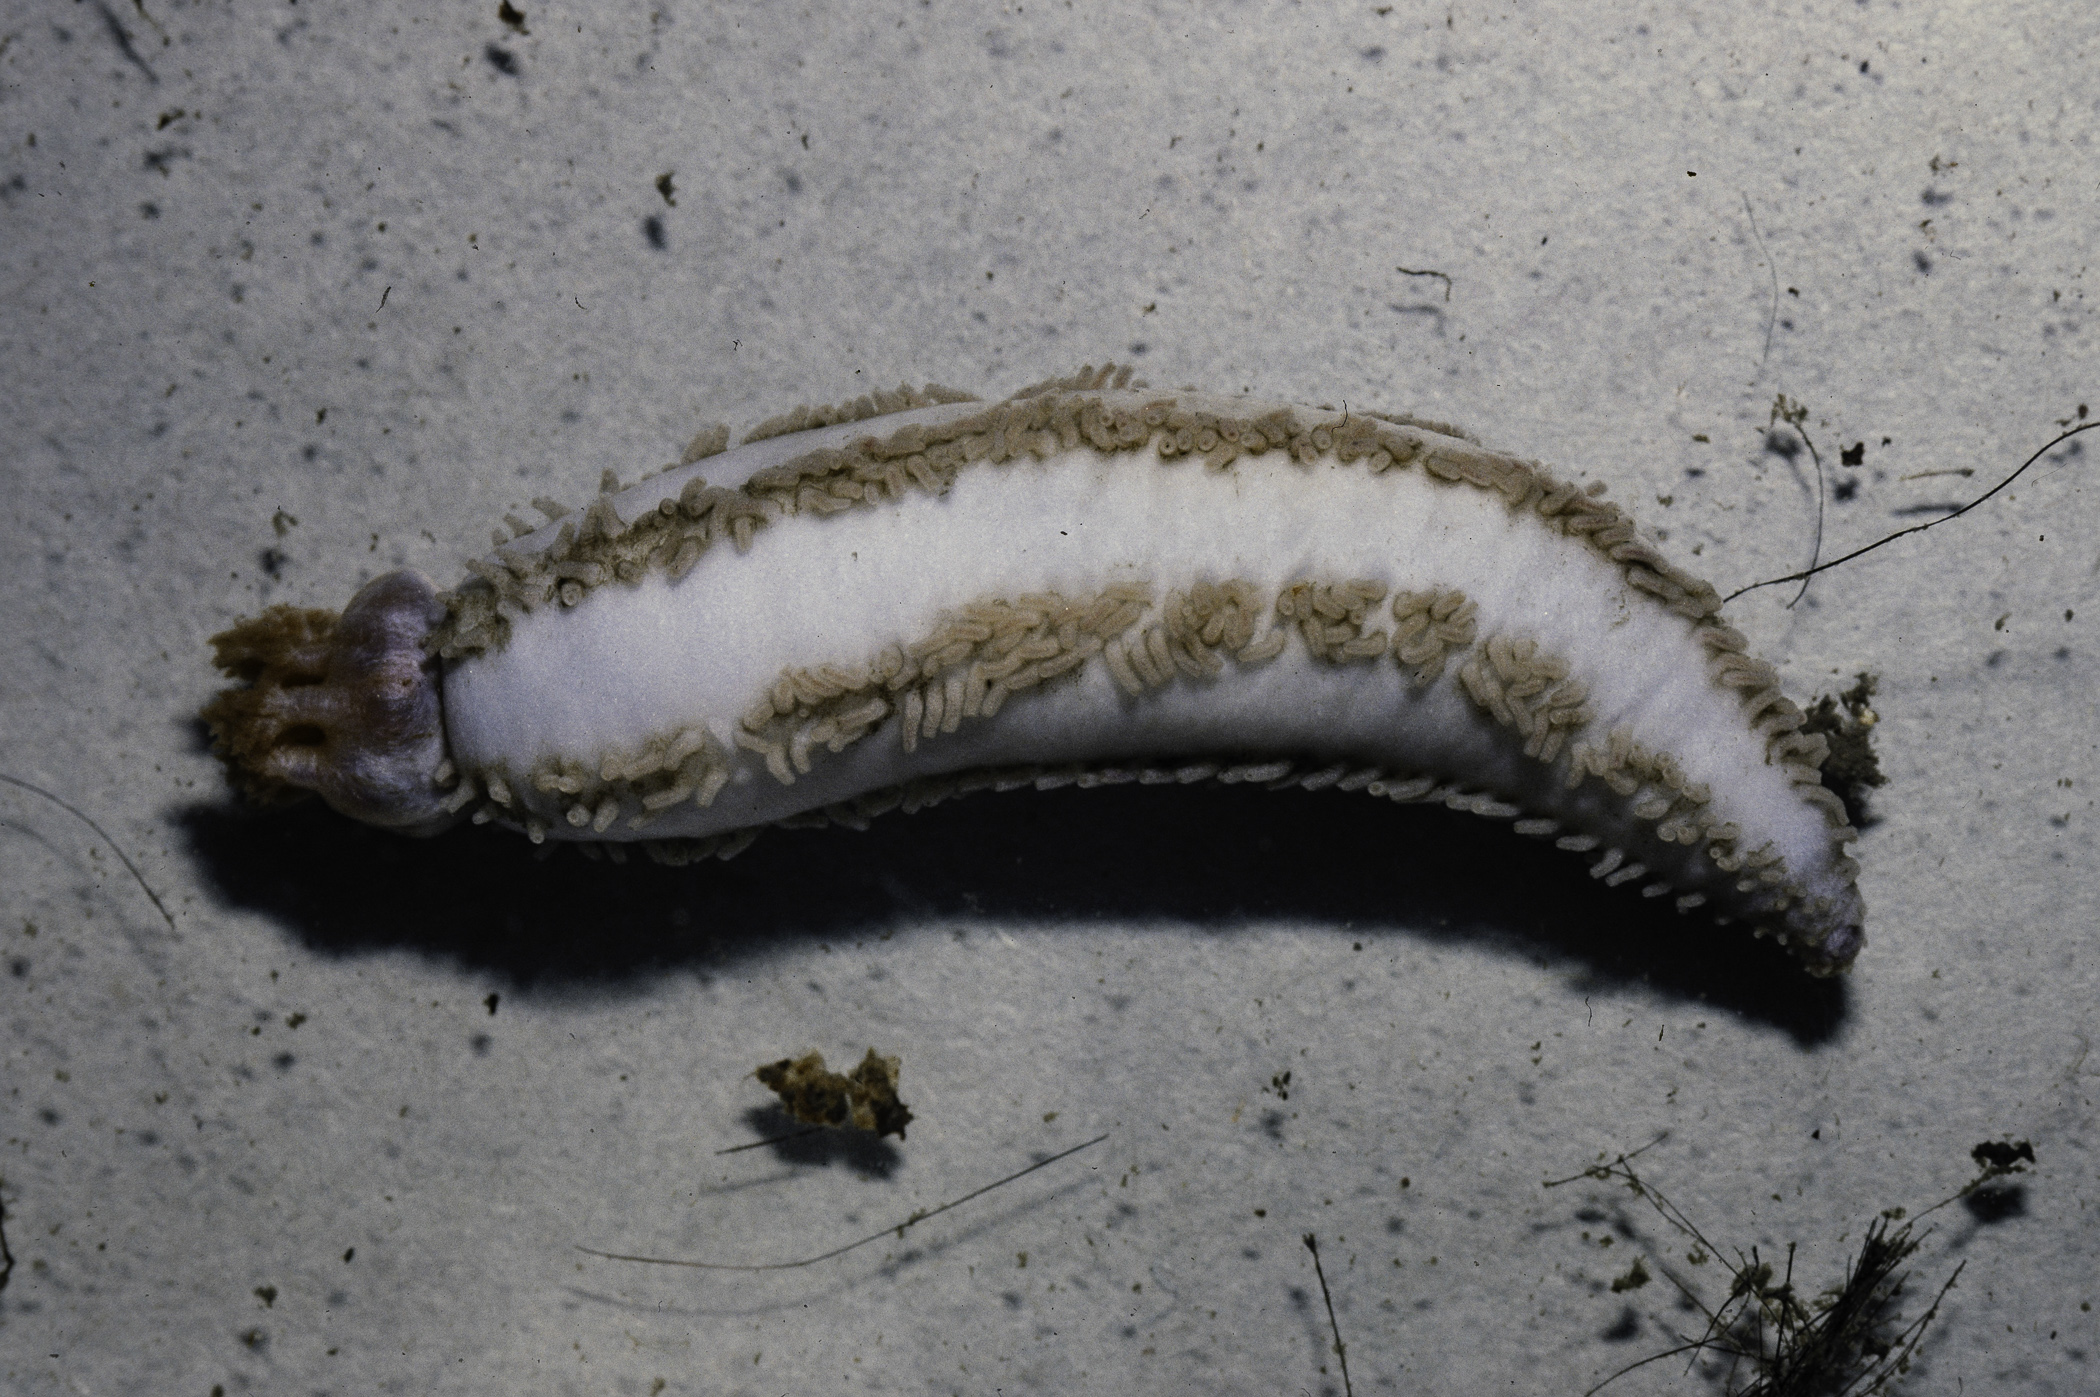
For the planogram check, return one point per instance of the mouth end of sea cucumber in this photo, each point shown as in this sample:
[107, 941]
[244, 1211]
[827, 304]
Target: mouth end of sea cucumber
[347, 707]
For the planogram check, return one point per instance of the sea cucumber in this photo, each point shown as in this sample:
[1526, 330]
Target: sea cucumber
[916, 595]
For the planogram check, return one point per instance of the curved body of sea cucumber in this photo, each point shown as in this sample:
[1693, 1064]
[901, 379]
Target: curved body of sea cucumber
[1095, 583]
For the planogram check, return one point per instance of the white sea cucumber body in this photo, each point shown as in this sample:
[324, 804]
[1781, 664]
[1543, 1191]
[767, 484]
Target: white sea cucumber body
[631, 661]
[625, 664]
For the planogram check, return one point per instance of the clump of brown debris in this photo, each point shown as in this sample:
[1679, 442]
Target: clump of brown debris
[1852, 769]
[864, 1099]
[1847, 1342]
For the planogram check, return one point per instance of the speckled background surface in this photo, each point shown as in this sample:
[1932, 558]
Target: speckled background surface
[294, 294]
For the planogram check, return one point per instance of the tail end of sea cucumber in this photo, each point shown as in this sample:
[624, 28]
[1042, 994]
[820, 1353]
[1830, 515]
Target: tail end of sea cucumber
[1835, 953]
[348, 707]
[1827, 945]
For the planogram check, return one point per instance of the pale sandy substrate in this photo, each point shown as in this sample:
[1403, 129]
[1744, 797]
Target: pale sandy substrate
[292, 297]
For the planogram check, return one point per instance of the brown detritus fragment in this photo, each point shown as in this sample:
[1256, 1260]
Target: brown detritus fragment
[2001, 1157]
[864, 1099]
[1846, 1340]
[1986, 1199]
[1846, 722]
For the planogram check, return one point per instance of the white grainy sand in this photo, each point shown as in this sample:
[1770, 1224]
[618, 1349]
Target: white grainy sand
[294, 295]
